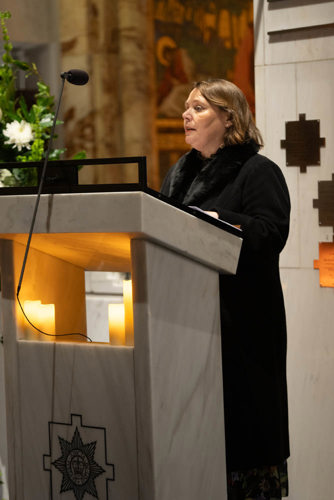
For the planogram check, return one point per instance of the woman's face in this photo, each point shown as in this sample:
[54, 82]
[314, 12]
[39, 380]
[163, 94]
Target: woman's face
[204, 124]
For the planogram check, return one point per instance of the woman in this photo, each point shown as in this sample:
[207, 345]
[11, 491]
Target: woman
[224, 175]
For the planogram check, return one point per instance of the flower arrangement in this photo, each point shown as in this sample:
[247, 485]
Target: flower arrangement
[24, 130]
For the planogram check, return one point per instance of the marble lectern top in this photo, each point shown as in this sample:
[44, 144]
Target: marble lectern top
[86, 228]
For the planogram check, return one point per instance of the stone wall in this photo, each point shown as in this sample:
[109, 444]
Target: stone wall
[294, 71]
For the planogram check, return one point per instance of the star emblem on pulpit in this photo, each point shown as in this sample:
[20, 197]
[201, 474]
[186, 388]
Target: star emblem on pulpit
[77, 460]
[78, 466]
[302, 143]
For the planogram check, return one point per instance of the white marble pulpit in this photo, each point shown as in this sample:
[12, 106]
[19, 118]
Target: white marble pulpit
[142, 421]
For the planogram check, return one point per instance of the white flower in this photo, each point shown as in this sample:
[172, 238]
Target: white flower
[19, 134]
[3, 174]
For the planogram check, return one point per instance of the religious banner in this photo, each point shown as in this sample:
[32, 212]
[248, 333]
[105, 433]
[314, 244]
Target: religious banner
[197, 40]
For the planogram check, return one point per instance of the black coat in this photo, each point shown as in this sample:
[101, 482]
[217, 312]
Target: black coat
[249, 190]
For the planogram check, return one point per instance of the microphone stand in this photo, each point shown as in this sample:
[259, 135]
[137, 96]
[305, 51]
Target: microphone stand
[41, 182]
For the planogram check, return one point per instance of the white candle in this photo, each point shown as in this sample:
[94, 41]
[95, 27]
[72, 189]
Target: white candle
[116, 324]
[128, 312]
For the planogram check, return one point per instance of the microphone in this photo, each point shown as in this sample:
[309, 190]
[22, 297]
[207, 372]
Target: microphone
[76, 76]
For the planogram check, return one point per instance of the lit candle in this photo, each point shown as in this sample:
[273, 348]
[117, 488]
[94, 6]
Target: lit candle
[42, 316]
[116, 324]
[128, 312]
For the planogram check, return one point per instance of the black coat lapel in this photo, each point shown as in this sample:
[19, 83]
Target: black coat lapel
[194, 179]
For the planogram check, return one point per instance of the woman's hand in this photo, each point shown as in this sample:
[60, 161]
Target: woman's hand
[213, 214]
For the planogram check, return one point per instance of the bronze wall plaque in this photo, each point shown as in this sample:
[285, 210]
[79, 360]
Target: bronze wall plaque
[325, 264]
[325, 202]
[302, 143]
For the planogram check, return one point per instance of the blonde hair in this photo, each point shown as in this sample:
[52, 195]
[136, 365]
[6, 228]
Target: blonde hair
[230, 98]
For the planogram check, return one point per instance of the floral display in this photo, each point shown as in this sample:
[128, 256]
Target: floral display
[24, 129]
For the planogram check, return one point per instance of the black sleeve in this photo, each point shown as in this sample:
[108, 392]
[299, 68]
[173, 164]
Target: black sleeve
[166, 183]
[265, 208]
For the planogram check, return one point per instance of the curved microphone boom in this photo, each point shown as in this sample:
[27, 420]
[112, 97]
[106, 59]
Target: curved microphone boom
[76, 77]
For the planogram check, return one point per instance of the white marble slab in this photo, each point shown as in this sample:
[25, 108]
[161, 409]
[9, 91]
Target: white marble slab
[96, 382]
[288, 15]
[275, 105]
[180, 421]
[296, 46]
[135, 213]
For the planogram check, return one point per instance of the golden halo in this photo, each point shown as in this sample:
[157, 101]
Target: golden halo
[163, 43]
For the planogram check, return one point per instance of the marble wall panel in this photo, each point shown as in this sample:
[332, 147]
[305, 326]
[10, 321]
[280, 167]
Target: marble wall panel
[309, 311]
[315, 98]
[289, 14]
[275, 104]
[299, 47]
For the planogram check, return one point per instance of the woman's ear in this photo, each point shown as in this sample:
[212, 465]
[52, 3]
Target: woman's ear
[228, 122]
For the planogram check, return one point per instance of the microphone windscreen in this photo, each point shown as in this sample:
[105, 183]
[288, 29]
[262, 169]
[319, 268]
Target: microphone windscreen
[76, 76]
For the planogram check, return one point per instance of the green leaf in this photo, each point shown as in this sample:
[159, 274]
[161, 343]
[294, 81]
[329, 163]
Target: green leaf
[5, 15]
[21, 65]
[80, 155]
[24, 109]
[7, 58]
[13, 116]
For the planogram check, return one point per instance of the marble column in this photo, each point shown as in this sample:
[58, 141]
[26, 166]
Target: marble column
[113, 115]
